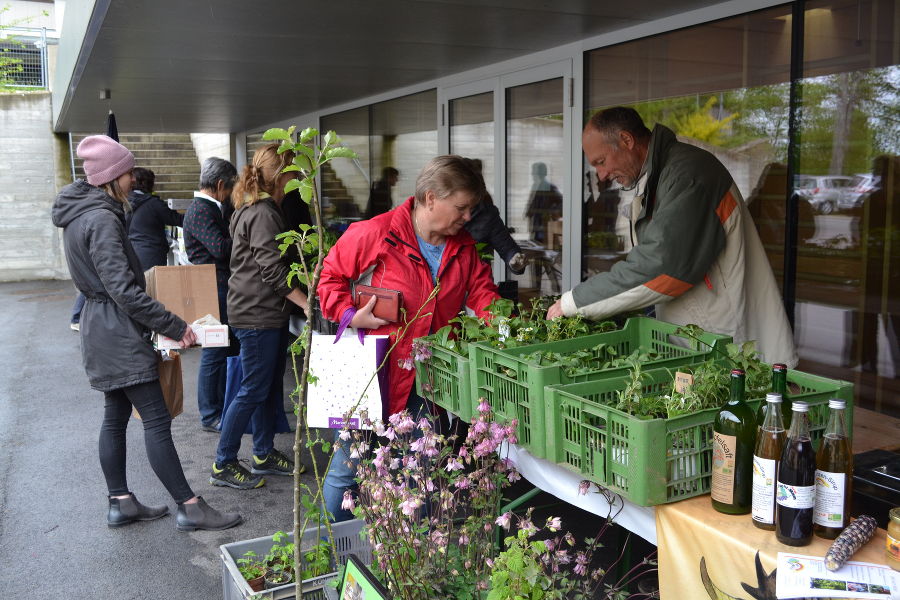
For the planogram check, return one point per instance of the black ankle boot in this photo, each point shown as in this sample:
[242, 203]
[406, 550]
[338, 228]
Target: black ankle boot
[123, 511]
[201, 515]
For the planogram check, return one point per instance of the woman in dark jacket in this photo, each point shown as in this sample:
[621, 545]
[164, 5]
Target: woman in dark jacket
[115, 336]
[259, 306]
[146, 223]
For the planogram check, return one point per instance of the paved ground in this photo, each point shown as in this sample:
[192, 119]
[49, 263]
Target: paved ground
[54, 542]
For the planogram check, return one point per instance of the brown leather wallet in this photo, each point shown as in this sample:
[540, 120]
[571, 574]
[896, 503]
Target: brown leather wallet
[387, 305]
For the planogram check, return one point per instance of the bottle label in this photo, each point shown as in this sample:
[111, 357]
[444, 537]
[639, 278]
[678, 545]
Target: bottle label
[722, 488]
[795, 496]
[763, 507]
[892, 547]
[831, 489]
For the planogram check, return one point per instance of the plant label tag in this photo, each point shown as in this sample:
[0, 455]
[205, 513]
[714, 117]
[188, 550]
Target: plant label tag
[683, 382]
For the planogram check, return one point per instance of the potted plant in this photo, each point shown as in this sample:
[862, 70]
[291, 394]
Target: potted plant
[280, 561]
[253, 570]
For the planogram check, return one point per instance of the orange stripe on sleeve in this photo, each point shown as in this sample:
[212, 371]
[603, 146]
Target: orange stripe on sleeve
[665, 284]
[726, 207]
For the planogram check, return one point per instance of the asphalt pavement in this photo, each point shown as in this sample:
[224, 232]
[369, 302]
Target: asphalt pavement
[54, 542]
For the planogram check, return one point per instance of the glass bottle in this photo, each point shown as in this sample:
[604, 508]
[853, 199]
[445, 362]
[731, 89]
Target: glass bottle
[769, 446]
[834, 475]
[795, 496]
[734, 437]
[892, 545]
[779, 386]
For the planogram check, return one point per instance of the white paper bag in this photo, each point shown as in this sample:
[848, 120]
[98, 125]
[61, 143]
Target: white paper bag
[343, 370]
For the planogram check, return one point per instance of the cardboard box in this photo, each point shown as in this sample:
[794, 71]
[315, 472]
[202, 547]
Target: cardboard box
[190, 292]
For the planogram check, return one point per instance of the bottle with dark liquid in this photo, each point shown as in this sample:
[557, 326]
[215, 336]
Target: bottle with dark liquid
[779, 386]
[734, 437]
[769, 446]
[795, 496]
[834, 475]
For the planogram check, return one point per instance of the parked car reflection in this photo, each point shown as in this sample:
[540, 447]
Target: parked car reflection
[823, 192]
[859, 189]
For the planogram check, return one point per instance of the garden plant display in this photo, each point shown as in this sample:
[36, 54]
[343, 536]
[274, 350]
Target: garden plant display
[513, 325]
[709, 388]
[547, 565]
[430, 504]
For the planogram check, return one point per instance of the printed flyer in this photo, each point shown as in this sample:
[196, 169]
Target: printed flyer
[806, 576]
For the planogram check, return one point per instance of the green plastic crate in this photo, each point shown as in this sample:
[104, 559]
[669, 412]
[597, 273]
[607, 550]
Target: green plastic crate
[655, 461]
[448, 375]
[514, 387]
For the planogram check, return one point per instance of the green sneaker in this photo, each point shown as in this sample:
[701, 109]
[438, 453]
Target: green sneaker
[275, 463]
[235, 476]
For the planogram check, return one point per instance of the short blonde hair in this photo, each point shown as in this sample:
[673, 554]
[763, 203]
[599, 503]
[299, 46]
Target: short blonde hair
[447, 174]
[261, 174]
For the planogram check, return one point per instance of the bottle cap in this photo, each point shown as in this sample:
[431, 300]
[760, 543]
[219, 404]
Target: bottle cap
[737, 372]
[800, 406]
[779, 367]
[837, 403]
[773, 398]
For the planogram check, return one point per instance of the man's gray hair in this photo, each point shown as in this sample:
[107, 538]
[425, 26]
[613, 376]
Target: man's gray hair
[214, 170]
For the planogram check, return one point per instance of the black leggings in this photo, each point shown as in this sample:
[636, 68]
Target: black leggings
[147, 398]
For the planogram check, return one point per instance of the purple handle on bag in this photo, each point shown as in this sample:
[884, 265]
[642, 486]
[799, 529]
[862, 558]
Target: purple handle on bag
[345, 322]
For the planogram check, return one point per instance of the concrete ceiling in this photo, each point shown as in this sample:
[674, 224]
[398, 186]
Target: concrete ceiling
[235, 65]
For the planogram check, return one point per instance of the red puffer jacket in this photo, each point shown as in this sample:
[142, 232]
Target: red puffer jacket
[388, 243]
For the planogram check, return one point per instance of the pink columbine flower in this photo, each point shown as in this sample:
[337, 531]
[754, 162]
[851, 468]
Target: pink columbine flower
[347, 503]
[453, 465]
[345, 434]
[406, 364]
[409, 506]
[554, 523]
[581, 563]
[584, 487]
[421, 350]
[484, 407]
[504, 520]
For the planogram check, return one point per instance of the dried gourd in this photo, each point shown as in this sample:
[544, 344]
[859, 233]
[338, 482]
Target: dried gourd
[851, 539]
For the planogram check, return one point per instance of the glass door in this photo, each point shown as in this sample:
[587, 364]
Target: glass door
[537, 183]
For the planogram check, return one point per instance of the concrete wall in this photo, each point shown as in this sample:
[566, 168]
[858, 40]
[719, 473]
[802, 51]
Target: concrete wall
[207, 145]
[34, 165]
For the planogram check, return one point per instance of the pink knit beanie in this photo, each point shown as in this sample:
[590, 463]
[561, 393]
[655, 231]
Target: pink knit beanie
[104, 159]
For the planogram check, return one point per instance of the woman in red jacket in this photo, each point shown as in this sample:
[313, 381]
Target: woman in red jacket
[412, 248]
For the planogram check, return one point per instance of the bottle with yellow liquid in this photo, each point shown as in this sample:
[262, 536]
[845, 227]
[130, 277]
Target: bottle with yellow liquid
[834, 476]
[766, 456]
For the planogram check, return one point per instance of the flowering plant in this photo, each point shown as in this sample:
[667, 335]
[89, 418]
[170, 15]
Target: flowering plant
[430, 508]
[545, 565]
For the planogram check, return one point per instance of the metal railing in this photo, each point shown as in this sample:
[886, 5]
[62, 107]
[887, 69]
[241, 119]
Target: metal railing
[23, 57]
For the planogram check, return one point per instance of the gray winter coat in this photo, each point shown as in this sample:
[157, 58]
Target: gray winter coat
[118, 315]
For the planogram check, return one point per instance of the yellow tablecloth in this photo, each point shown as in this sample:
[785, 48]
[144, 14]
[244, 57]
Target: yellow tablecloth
[691, 531]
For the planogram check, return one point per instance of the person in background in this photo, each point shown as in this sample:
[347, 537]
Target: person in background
[207, 241]
[697, 255]
[380, 200]
[117, 319]
[258, 311]
[410, 248]
[75, 319]
[146, 222]
[487, 227]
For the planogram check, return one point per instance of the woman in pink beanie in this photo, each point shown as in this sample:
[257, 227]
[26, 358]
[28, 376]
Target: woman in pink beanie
[115, 336]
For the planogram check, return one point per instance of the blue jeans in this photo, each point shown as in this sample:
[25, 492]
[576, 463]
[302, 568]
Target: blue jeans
[212, 372]
[263, 362]
[341, 474]
[77, 308]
